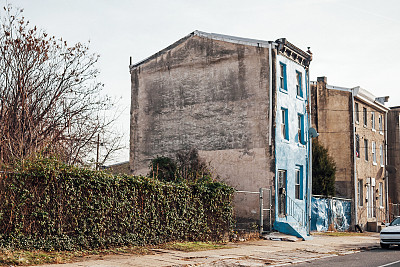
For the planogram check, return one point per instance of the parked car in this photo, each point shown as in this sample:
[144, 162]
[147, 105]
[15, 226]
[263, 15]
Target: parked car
[390, 235]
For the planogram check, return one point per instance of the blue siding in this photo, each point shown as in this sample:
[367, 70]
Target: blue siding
[290, 153]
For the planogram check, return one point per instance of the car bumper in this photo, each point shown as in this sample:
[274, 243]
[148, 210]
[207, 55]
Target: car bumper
[387, 238]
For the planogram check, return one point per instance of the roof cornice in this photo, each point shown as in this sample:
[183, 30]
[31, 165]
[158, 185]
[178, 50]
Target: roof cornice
[294, 53]
[369, 98]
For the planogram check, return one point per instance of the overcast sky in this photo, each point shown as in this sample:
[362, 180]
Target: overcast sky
[354, 42]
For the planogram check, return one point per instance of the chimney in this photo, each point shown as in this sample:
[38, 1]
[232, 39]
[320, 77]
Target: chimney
[322, 79]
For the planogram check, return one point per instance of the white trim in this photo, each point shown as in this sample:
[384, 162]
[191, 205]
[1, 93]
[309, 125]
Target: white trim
[270, 93]
[234, 39]
[355, 159]
[373, 104]
[362, 94]
[332, 87]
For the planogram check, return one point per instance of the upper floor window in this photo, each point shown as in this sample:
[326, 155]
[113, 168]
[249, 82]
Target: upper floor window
[357, 146]
[380, 123]
[381, 155]
[365, 116]
[299, 88]
[282, 76]
[373, 152]
[380, 196]
[357, 115]
[284, 124]
[300, 128]
[373, 120]
[366, 149]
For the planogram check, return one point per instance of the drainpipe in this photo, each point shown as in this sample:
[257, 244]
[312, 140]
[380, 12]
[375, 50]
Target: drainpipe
[309, 193]
[354, 162]
[386, 174]
[270, 93]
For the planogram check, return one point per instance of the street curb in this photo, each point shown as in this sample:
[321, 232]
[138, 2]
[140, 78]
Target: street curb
[357, 250]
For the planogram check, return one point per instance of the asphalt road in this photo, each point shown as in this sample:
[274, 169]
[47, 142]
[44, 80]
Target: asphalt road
[373, 258]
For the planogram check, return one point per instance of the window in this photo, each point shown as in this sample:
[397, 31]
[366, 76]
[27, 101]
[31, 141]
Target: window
[281, 179]
[300, 128]
[299, 89]
[284, 125]
[373, 152]
[282, 76]
[281, 193]
[380, 123]
[380, 196]
[357, 115]
[360, 193]
[357, 146]
[365, 116]
[298, 182]
[381, 155]
[373, 120]
[366, 149]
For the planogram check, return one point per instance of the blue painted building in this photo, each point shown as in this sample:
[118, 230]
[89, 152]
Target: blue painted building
[292, 144]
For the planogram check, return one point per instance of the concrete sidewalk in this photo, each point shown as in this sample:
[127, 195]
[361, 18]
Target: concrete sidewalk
[249, 253]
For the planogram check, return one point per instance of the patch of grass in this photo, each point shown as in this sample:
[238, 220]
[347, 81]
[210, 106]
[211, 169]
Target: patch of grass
[193, 246]
[339, 233]
[36, 257]
[21, 257]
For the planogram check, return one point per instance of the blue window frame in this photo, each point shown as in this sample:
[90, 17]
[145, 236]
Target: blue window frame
[300, 129]
[298, 182]
[299, 82]
[282, 76]
[284, 124]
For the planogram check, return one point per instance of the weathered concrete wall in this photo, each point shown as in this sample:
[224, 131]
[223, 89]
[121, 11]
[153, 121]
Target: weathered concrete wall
[210, 95]
[333, 121]
[393, 154]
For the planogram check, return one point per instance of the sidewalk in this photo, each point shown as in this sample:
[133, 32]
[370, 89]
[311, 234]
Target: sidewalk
[249, 253]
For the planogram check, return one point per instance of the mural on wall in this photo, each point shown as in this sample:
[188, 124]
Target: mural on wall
[329, 214]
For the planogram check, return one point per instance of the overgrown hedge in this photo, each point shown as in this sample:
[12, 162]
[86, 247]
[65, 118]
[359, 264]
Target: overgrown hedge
[51, 206]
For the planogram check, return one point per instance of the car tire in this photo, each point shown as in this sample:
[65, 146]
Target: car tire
[385, 246]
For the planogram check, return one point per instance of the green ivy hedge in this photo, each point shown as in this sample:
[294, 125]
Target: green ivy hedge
[51, 206]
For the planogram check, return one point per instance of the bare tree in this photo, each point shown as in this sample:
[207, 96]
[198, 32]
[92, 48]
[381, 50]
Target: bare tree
[50, 101]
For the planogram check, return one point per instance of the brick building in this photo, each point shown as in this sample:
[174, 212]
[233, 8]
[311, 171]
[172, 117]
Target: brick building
[351, 123]
[393, 137]
[242, 103]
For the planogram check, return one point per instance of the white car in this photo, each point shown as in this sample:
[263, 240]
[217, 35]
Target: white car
[390, 235]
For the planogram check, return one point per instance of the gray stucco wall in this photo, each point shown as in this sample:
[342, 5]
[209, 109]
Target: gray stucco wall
[332, 113]
[207, 94]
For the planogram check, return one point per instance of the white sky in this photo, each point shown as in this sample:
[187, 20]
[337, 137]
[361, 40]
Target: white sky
[354, 42]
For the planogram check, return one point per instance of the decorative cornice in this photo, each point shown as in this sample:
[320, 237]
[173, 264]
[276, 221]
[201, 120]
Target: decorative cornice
[294, 53]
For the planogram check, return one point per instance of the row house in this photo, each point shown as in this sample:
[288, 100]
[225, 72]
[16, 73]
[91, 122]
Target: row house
[243, 104]
[352, 125]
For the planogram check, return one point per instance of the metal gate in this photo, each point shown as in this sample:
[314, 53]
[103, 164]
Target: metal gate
[394, 211]
[265, 207]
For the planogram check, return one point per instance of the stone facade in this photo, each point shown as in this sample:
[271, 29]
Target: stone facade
[351, 123]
